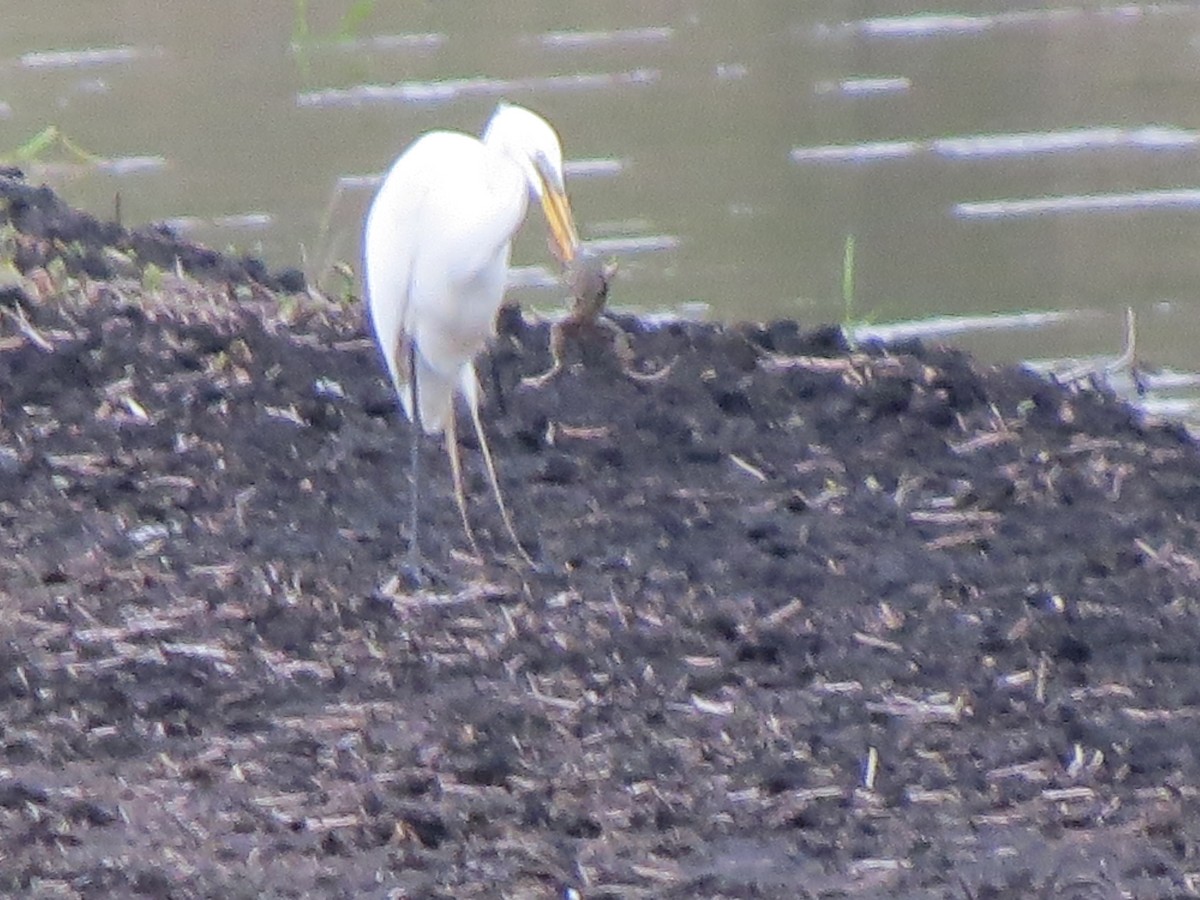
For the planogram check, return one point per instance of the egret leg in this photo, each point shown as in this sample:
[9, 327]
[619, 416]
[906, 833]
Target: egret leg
[414, 469]
[491, 470]
[460, 494]
[420, 573]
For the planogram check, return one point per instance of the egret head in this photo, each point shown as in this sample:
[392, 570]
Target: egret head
[532, 143]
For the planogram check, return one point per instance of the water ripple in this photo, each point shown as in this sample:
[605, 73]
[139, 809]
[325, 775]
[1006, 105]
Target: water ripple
[605, 167]
[647, 243]
[865, 152]
[863, 87]
[930, 24]
[78, 59]
[1168, 198]
[988, 146]
[401, 41]
[1150, 137]
[943, 326]
[444, 91]
[578, 39]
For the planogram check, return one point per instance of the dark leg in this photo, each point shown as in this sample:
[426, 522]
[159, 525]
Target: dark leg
[419, 574]
[414, 470]
[415, 572]
[497, 387]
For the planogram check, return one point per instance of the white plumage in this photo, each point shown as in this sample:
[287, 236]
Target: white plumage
[436, 250]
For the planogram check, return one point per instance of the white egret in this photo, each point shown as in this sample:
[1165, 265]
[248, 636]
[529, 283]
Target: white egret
[436, 248]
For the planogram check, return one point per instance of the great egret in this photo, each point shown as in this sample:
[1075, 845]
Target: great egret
[436, 247]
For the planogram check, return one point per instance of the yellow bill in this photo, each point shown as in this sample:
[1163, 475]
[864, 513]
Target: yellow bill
[563, 235]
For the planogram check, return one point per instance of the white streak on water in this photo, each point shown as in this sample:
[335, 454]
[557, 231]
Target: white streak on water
[444, 91]
[1169, 379]
[1171, 407]
[78, 59]
[1149, 137]
[386, 42]
[359, 182]
[935, 25]
[577, 39]
[864, 87]
[922, 25]
[245, 221]
[1172, 198]
[182, 225]
[403, 41]
[649, 243]
[117, 165]
[132, 165]
[943, 326]
[593, 168]
[867, 152]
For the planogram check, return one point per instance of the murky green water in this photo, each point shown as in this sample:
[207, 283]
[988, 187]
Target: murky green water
[987, 161]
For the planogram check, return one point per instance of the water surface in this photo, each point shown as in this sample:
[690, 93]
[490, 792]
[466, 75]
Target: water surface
[1024, 166]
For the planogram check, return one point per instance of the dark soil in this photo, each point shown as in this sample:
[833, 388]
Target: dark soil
[806, 622]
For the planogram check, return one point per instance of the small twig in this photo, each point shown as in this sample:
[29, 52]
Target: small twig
[747, 467]
[783, 613]
[1126, 358]
[871, 768]
[868, 640]
[1122, 362]
[26, 328]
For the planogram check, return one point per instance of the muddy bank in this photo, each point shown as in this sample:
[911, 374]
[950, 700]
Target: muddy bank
[805, 621]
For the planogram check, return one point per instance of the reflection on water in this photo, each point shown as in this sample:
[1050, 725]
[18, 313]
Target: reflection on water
[947, 326]
[1037, 206]
[987, 161]
[858, 87]
[982, 146]
[604, 39]
[990, 146]
[82, 59]
[447, 89]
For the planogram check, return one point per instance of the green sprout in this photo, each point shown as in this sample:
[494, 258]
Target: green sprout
[349, 27]
[41, 144]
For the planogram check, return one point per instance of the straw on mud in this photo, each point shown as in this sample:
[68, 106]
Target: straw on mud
[746, 467]
[917, 710]
[18, 317]
[871, 769]
[785, 612]
[869, 640]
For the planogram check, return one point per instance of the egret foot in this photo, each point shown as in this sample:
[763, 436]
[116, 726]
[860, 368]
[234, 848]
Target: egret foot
[416, 574]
